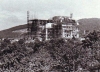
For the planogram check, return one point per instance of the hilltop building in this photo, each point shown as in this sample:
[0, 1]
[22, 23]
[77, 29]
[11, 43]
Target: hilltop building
[57, 27]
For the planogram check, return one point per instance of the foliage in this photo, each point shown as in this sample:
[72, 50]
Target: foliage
[55, 55]
[92, 46]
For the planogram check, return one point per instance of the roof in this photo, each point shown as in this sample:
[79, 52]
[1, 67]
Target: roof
[40, 19]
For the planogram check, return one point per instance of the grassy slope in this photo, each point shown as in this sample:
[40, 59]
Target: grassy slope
[8, 32]
[89, 24]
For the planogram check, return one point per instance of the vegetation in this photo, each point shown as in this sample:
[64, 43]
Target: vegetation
[56, 55]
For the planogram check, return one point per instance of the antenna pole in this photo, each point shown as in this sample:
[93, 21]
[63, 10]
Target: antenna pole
[28, 22]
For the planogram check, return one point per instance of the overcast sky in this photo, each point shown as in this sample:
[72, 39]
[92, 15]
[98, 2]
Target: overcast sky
[14, 12]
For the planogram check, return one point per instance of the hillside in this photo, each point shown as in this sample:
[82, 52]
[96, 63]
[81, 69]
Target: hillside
[9, 32]
[89, 24]
[85, 24]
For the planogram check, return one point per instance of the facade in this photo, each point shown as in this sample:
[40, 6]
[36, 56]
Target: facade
[57, 27]
[63, 27]
[37, 28]
[69, 31]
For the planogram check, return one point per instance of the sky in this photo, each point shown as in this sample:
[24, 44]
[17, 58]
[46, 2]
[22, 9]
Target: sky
[14, 12]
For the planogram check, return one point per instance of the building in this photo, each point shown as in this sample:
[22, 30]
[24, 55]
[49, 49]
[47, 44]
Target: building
[62, 27]
[58, 27]
[37, 28]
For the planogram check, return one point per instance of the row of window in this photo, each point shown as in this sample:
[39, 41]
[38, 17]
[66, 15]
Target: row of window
[68, 35]
[42, 22]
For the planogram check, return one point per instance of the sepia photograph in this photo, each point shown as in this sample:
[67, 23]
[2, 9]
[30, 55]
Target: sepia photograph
[49, 35]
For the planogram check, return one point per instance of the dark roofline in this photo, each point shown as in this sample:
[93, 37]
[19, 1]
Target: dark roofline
[39, 19]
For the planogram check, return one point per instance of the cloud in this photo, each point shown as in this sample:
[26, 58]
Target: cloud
[14, 12]
[9, 20]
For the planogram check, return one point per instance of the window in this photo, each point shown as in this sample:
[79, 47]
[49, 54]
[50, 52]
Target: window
[65, 31]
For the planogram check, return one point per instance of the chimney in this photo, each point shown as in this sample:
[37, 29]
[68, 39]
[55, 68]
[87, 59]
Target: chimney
[71, 15]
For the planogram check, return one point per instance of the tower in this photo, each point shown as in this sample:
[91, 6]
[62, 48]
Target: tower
[28, 22]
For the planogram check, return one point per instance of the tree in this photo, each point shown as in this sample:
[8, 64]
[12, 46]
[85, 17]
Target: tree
[91, 42]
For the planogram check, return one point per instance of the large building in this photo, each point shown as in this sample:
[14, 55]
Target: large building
[57, 27]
